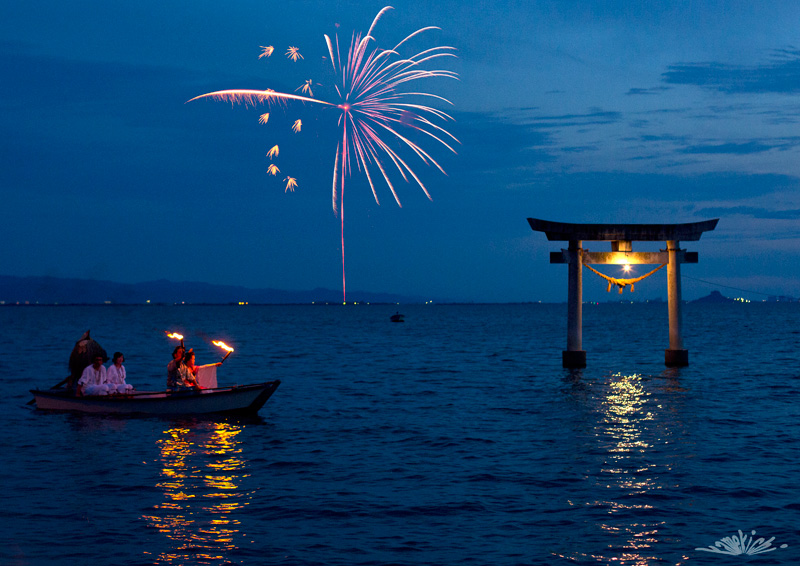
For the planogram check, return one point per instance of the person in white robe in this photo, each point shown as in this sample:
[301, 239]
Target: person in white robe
[93, 378]
[117, 375]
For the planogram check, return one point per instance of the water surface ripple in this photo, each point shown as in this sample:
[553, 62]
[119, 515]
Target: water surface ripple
[452, 438]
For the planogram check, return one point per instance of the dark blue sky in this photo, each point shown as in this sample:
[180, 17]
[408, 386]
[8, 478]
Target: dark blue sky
[575, 112]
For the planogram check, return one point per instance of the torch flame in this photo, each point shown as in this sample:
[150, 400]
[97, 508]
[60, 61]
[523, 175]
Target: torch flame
[174, 335]
[222, 345]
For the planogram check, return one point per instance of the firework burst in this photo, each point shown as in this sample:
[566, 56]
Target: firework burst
[294, 54]
[375, 111]
[305, 88]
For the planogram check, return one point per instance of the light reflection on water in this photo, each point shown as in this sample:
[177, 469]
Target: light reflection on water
[631, 421]
[201, 472]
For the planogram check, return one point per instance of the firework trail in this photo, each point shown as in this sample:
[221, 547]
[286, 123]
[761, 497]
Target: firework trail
[373, 110]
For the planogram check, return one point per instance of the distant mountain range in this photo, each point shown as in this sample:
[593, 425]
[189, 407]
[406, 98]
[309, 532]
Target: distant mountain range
[55, 290]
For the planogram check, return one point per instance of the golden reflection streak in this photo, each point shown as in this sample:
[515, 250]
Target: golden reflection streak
[625, 414]
[196, 515]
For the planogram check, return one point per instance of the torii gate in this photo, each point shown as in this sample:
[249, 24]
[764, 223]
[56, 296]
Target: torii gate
[621, 237]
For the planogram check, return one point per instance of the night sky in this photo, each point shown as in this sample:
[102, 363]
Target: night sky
[633, 112]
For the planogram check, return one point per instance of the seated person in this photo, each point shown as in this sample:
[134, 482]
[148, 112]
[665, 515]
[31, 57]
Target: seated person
[186, 375]
[93, 378]
[117, 375]
[174, 366]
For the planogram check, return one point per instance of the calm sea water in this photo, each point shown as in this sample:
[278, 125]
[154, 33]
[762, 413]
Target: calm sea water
[453, 438]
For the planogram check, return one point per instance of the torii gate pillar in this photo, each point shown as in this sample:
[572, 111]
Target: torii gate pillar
[574, 356]
[675, 356]
[621, 237]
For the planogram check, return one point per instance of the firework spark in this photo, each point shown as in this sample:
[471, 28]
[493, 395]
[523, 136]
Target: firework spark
[266, 51]
[305, 88]
[273, 169]
[291, 184]
[297, 125]
[273, 152]
[264, 118]
[294, 53]
[374, 110]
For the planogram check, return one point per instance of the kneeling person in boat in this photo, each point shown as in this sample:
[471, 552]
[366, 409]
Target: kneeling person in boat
[93, 378]
[116, 375]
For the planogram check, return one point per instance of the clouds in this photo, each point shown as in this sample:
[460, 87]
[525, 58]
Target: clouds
[594, 117]
[730, 148]
[648, 91]
[751, 211]
[779, 75]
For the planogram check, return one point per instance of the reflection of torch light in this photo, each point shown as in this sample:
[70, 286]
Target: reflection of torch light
[176, 336]
[224, 346]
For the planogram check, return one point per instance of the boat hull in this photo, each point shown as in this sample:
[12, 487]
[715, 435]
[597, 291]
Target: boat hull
[245, 399]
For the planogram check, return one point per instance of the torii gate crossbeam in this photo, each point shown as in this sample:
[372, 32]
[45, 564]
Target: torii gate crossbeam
[621, 237]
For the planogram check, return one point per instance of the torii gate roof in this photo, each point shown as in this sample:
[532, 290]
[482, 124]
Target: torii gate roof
[566, 231]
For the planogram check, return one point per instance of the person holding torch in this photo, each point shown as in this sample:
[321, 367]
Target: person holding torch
[173, 368]
[187, 373]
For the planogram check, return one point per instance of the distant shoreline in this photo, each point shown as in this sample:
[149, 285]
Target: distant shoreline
[54, 291]
[589, 304]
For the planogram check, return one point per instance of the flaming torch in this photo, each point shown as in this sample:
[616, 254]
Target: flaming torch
[224, 346]
[176, 336]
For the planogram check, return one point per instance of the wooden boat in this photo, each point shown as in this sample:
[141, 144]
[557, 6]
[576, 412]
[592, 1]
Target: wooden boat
[397, 317]
[243, 399]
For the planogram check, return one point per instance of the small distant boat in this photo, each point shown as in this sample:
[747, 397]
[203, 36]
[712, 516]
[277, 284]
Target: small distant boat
[237, 399]
[397, 317]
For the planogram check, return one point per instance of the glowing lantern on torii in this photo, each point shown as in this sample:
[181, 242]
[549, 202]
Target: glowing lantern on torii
[622, 237]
